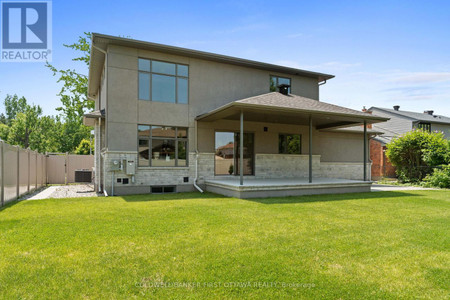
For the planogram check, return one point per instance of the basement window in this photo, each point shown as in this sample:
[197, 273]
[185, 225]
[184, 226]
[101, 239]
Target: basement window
[162, 189]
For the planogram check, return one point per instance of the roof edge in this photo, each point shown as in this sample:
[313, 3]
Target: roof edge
[238, 104]
[391, 112]
[413, 119]
[211, 56]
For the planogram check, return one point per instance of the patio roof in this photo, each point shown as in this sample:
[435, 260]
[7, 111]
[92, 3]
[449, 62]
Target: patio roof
[291, 109]
[90, 117]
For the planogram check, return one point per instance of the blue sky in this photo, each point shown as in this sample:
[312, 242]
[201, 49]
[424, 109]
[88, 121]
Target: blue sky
[383, 53]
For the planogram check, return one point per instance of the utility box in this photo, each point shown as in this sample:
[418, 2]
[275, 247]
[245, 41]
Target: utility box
[115, 165]
[130, 168]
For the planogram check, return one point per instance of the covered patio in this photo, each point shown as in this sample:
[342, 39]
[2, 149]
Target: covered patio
[283, 108]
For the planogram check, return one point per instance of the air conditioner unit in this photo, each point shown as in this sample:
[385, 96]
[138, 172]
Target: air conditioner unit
[83, 175]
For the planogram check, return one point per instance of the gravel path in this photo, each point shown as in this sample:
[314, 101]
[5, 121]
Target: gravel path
[63, 191]
[386, 187]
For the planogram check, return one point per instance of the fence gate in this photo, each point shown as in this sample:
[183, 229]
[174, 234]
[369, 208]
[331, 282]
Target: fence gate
[61, 167]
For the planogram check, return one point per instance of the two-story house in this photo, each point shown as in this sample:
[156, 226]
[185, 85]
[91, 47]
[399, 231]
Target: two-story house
[400, 122]
[172, 119]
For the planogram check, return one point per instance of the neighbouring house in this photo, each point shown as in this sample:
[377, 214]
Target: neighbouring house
[169, 119]
[399, 123]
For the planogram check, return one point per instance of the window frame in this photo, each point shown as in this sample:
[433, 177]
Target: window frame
[277, 84]
[176, 139]
[176, 76]
[425, 126]
[285, 135]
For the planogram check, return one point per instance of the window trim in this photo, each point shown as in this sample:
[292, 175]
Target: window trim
[177, 139]
[176, 76]
[276, 83]
[286, 134]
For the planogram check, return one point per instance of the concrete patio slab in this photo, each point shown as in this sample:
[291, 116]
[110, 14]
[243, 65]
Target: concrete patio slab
[256, 187]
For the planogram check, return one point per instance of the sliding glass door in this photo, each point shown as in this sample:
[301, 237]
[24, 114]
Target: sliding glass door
[226, 161]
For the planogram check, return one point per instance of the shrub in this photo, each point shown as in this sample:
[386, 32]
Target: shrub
[416, 152]
[439, 178]
[84, 147]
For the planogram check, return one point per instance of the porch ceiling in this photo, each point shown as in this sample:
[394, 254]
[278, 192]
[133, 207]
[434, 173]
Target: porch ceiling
[290, 109]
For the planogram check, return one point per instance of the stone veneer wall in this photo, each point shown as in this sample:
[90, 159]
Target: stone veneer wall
[343, 170]
[284, 166]
[266, 166]
[151, 176]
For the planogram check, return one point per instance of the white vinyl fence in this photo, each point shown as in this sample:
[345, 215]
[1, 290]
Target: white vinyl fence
[21, 171]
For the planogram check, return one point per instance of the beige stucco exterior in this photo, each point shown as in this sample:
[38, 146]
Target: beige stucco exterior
[211, 85]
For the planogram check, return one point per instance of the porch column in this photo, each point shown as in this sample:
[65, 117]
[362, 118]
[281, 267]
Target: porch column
[365, 151]
[310, 149]
[241, 151]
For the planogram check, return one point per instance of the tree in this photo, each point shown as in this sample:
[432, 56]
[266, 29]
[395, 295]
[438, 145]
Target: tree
[4, 131]
[74, 97]
[47, 135]
[22, 119]
[3, 119]
[416, 153]
[13, 106]
[84, 148]
[27, 128]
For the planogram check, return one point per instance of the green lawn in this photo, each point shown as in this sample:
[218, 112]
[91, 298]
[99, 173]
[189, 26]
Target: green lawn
[386, 245]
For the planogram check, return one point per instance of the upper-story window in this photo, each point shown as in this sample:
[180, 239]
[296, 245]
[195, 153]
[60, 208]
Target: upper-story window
[424, 126]
[163, 82]
[276, 81]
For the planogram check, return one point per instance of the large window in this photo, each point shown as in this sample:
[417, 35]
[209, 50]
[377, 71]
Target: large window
[275, 81]
[424, 126]
[161, 146]
[163, 82]
[227, 156]
[289, 143]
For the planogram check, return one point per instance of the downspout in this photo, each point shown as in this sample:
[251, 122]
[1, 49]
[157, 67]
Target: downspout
[323, 82]
[196, 160]
[98, 140]
[196, 172]
[99, 49]
[112, 184]
[103, 155]
[104, 175]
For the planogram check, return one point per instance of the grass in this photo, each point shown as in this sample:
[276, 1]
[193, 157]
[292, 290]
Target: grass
[390, 245]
